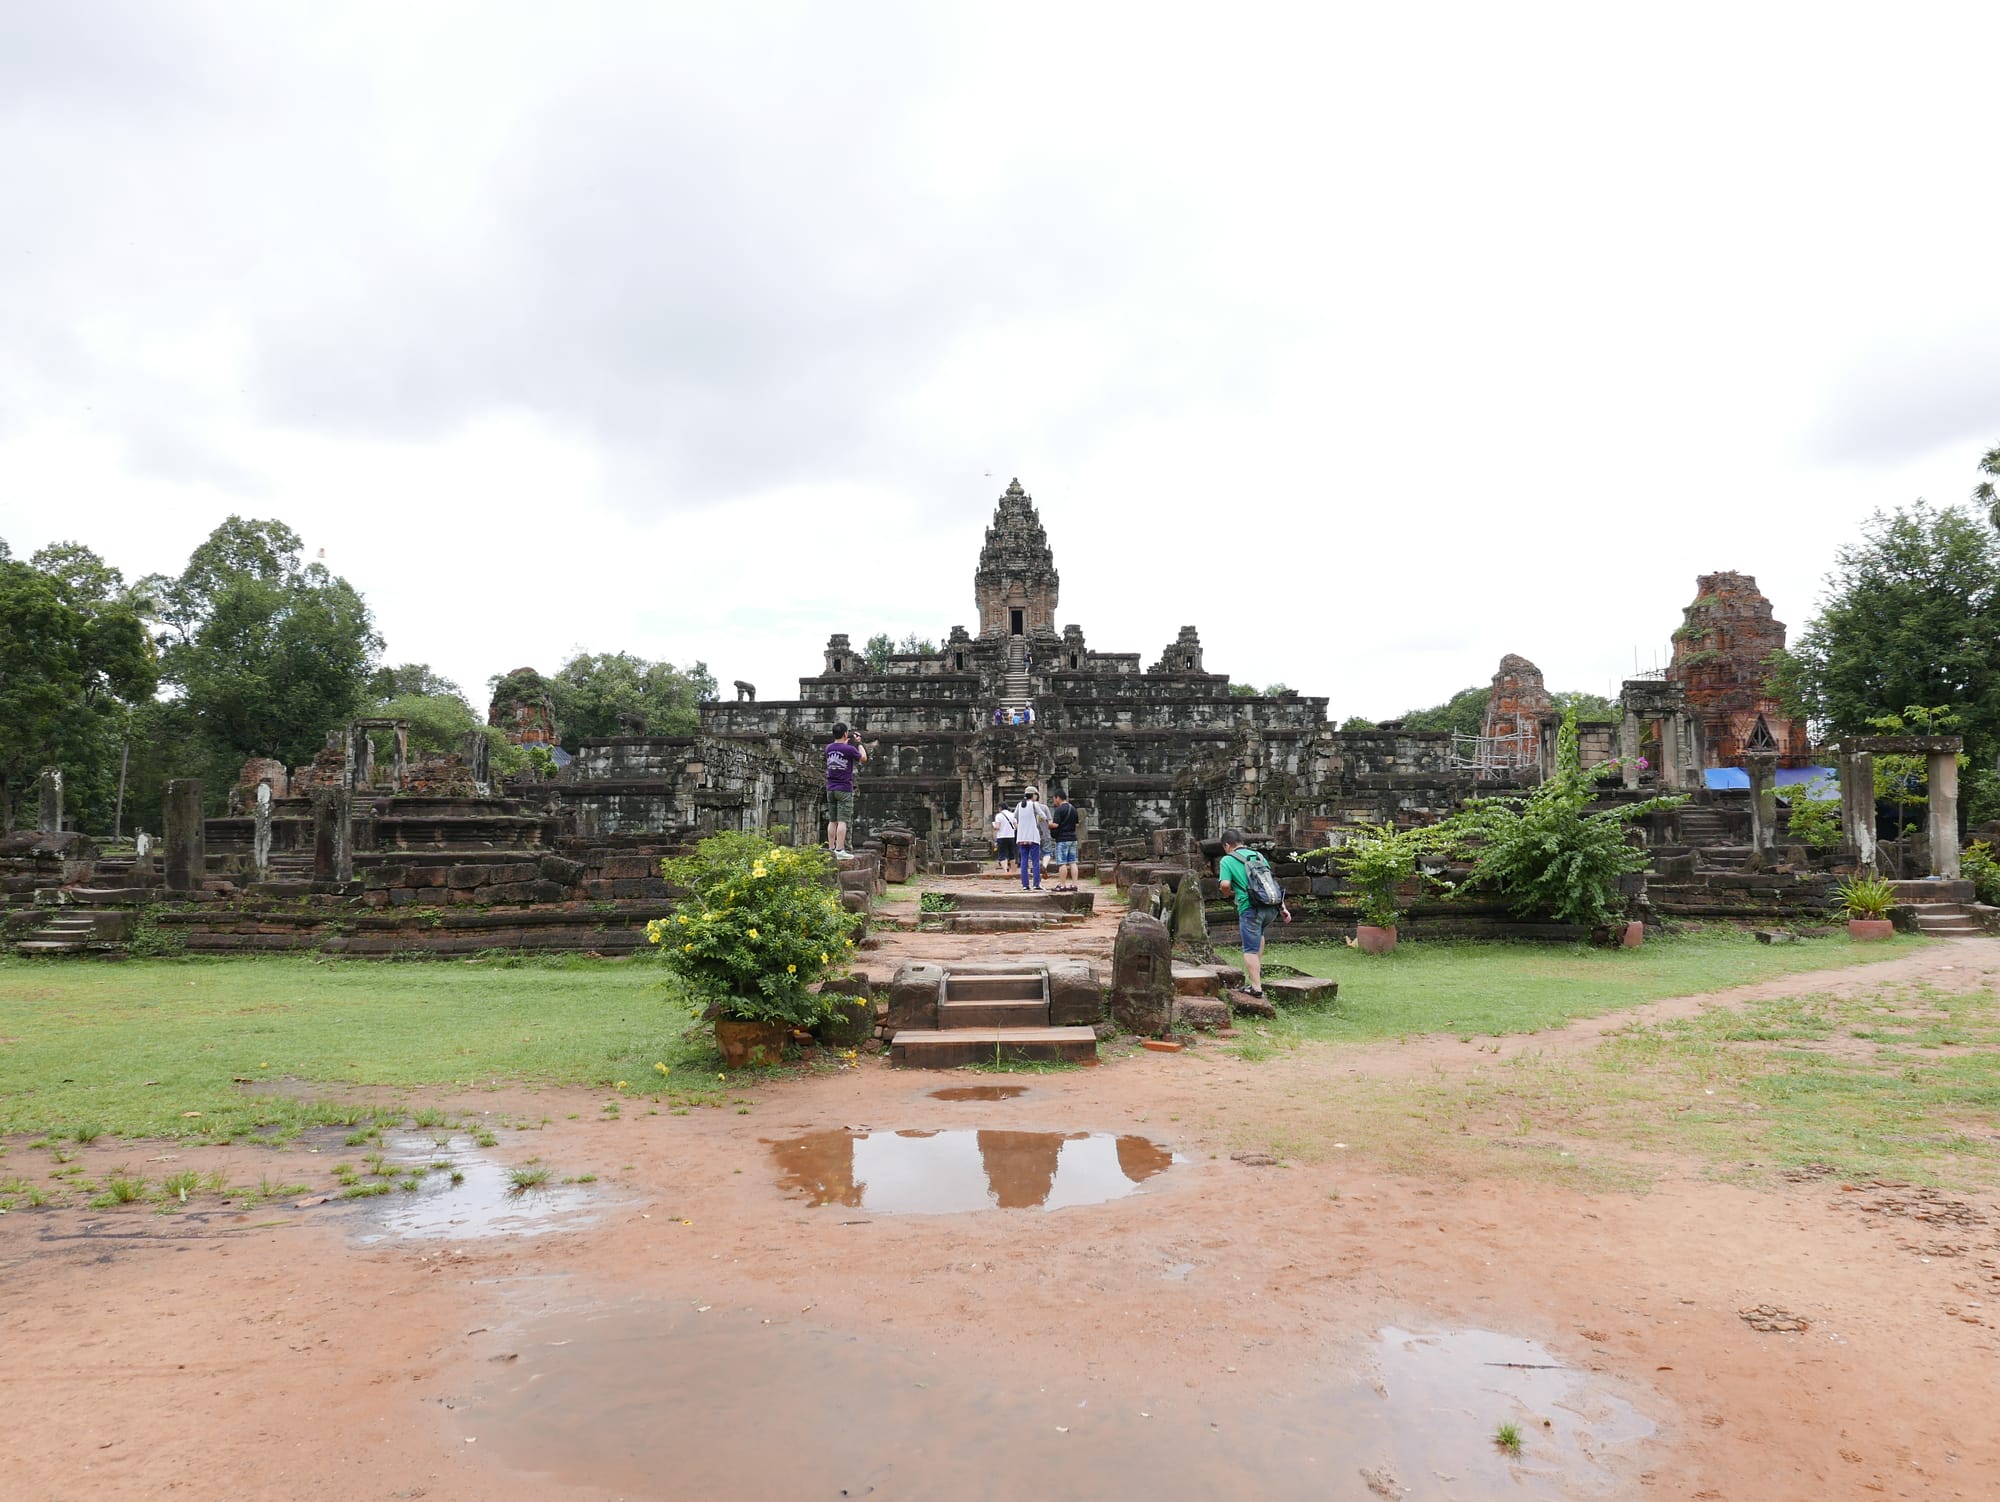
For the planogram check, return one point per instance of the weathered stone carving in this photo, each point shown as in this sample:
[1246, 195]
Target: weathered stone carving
[187, 852]
[1142, 976]
[49, 815]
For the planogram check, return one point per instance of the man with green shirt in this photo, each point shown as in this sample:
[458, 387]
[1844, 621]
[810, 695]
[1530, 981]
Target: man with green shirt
[1252, 917]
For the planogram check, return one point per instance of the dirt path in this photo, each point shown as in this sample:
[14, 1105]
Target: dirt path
[704, 1331]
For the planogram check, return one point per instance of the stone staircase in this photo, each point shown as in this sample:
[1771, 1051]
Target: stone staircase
[944, 1016]
[81, 930]
[1015, 911]
[1014, 686]
[1946, 920]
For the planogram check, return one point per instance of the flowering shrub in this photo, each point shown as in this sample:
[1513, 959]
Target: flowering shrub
[758, 925]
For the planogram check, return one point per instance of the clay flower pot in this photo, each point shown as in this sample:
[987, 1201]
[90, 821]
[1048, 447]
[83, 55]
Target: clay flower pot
[1868, 930]
[1633, 936]
[1372, 940]
[747, 1043]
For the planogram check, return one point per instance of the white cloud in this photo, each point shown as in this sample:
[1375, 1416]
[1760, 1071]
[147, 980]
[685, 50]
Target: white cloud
[1374, 342]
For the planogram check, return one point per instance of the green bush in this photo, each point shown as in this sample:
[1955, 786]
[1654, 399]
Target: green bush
[758, 925]
[1546, 851]
[1978, 866]
[1380, 861]
[1814, 821]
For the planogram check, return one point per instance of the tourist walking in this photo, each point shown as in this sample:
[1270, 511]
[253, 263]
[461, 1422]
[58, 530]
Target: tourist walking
[1062, 830]
[1248, 877]
[844, 753]
[1031, 821]
[1003, 839]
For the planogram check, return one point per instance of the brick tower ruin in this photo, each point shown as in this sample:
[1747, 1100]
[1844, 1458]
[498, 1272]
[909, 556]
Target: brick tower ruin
[1722, 657]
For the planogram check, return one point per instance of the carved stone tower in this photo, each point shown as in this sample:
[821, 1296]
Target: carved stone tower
[1016, 583]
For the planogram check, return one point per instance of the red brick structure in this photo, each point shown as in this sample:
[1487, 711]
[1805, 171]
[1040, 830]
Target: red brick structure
[243, 797]
[1722, 657]
[1516, 706]
[524, 708]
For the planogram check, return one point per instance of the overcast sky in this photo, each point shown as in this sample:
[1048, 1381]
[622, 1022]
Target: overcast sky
[1375, 341]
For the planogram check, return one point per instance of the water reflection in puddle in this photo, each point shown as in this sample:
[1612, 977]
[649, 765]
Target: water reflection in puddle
[483, 1203]
[582, 1401]
[979, 1092]
[939, 1173]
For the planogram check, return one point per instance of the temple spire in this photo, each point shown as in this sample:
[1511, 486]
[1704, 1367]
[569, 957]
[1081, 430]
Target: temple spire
[1016, 585]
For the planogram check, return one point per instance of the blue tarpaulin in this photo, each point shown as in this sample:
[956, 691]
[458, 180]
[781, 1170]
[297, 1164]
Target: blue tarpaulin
[1788, 777]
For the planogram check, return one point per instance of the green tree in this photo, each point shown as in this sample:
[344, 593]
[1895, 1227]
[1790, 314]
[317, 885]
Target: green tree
[1588, 706]
[1464, 712]
[1546, 852]
[74, 663]
[412, 678]
[1911, 616]
[592, 689]
[268, 654]
[1984, 492]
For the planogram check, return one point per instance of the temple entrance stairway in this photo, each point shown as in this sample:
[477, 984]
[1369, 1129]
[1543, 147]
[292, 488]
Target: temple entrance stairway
[945, 1017]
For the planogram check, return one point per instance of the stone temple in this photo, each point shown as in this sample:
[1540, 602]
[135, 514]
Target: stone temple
[373, 849]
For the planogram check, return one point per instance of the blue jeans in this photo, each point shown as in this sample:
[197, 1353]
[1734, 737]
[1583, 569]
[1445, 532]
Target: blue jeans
[1031, 860]
[1250, 926]
[1065, 852]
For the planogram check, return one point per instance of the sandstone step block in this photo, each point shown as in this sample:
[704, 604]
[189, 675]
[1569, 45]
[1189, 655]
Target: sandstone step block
[953, 1048]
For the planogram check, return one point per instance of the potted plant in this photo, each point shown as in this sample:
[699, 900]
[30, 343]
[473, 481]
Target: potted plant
[1379, 864]
[756, 926]
[1867, 900]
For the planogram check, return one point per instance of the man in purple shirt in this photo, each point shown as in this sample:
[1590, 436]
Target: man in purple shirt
[843, 754]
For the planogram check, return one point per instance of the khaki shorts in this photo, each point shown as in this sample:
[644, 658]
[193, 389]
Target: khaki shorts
[839, 807]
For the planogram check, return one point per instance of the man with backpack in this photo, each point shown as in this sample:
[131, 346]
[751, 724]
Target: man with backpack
[1003, 838]
[1248, 877]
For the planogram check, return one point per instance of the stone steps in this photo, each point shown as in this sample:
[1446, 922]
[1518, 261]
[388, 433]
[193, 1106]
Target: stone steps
[958, 1015]
[953, 1048]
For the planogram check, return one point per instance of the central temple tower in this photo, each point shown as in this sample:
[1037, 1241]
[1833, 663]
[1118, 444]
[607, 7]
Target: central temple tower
[1016, 584]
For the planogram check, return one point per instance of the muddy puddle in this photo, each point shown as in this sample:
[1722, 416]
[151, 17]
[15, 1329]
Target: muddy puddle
[462, 1194]
[652, 1399]
[945, 1172]
[979, 1092]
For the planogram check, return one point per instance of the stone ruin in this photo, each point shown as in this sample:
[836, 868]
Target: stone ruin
[1145, 752]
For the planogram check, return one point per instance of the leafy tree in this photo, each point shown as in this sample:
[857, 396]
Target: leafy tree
[1357, 722]
[1251, 691]
[1911, 616]
[1984, 492]
[591, 690]
[1546, 851]
[411, 678]
[74, 661]
[880, 647]
[1588, 706]
[268, 654]
[1464, 712]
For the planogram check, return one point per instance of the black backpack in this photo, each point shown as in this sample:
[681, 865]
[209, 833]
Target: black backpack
[1264, 888]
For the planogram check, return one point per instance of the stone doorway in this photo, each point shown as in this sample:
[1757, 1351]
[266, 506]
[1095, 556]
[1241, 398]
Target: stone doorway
[1016, 625]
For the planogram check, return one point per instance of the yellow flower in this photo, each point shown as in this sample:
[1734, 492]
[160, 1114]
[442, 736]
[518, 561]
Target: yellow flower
[753, 933]
[687, 949]
[758, 869]
[822, 956]
[661, 1067]
[680, 917]
[619, 1086]
[791, 969]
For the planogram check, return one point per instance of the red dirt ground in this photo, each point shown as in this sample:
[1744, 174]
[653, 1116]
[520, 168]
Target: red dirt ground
[269, 1353]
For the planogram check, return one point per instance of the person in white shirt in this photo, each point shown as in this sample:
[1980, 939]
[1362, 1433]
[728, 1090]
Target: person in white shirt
[1003, 839]
[1031, 822]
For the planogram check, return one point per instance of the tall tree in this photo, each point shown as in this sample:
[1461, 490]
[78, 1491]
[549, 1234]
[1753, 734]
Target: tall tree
[1911, 616]
[1984, 492]
[592, 689]
[74, 662]
[268, 654]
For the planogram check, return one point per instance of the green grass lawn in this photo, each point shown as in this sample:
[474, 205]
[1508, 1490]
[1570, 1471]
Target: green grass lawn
[1475, 989]
[129, 1049]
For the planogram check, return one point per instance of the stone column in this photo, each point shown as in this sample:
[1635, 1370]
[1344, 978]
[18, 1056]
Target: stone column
[49, 818]
[1670, 752]
[1941, 781]
[1763, 769]
[1628, 749]
[333, 835]
[187, 851]
[1857, 807]
[260, 842]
